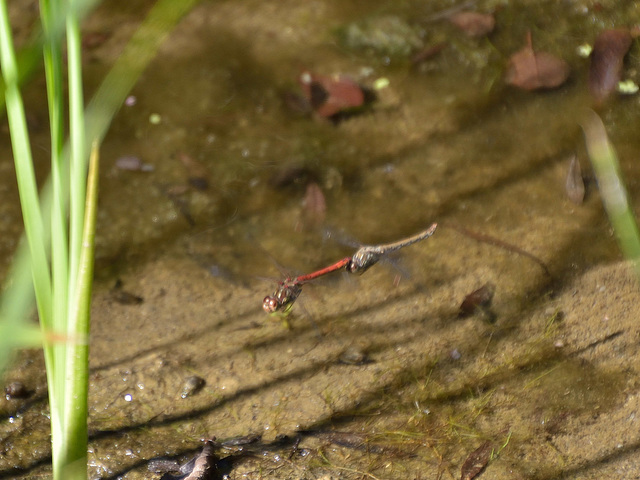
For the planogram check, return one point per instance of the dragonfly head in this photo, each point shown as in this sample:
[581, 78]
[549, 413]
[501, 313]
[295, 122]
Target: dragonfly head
[283, 298]
[270, 304]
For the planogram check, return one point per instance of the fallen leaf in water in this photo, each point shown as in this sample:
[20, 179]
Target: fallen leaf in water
[607, 58]
[574, 185]
[531, 70]
[479, 299]
[473, 24]
[476, 461]
[330, 95]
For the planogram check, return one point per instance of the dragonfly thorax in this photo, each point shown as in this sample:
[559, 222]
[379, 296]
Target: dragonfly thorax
[362, 260]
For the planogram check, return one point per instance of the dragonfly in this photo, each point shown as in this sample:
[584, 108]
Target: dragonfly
[368, 255]
[290, 288]
[365, 257]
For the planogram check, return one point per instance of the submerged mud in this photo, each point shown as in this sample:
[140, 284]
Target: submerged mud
[378, 375]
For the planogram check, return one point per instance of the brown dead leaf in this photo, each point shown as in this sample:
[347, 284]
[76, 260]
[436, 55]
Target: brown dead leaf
[330, 95]
[607, 58]
[531, 70]
[473, 24]
[478, 299]
[476, 461]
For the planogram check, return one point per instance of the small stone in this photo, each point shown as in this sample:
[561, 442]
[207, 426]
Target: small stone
[16, 390]
[353, 356]
[192, 385]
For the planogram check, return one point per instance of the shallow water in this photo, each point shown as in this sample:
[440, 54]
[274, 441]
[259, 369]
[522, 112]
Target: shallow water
[551, 382]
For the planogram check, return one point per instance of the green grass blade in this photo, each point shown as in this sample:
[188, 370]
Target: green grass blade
[52, 54]
[28, 58]
[77, 156]
[17, 298]
[29, 201]
[70, 277]
[612, 190]
[73, 462]
[24, 172]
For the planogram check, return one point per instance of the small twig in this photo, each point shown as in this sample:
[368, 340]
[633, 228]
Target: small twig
[595, 343]
[482, 237]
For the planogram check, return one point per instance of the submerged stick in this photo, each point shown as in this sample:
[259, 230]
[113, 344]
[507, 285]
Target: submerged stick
[483, 237]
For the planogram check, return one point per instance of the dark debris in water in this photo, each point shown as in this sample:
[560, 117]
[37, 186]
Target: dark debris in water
[607, 57]
[197, 172]
[478, 301]
[203, 466]
[124, 297]
[476, 461]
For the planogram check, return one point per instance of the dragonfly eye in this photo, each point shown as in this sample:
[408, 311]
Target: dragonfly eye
[269, 304]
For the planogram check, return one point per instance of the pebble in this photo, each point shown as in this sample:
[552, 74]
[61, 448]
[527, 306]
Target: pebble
[192, 385]
[353, 356]
[16, 390]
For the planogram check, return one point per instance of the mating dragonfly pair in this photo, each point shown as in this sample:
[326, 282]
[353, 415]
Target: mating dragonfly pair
[290, 288]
